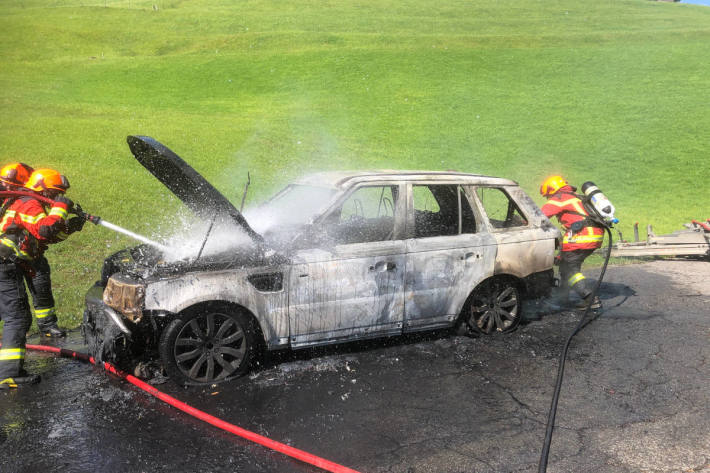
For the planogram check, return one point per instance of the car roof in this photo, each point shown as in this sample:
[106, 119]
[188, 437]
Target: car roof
[344, 179]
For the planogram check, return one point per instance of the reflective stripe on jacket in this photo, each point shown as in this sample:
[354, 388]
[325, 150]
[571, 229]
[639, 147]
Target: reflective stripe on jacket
[568, 209]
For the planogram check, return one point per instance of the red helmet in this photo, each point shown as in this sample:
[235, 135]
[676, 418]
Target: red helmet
[15, 174]
[47, 179]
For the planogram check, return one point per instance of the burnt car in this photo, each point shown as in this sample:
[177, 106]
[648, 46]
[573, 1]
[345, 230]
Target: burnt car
[333, 257]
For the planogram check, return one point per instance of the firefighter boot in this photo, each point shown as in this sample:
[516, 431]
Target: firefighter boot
[560, 298]
[22, 379]
[51, 331]
[596, 303]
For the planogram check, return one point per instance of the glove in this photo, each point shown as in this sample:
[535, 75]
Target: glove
[75, 224]
[64, 200]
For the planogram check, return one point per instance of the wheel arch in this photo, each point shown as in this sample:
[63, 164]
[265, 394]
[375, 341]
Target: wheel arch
[517, 281]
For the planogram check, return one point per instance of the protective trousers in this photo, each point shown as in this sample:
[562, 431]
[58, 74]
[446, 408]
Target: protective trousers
[40, 286]
[571, 276]
[15, 312]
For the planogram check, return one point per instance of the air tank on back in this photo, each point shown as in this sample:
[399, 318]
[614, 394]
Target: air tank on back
[600, 202]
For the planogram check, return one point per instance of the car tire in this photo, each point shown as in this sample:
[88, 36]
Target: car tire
[494, 306]
[208, 344]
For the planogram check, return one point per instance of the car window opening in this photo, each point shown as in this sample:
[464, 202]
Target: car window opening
[501, 209]
[441, 210]
[367, 215]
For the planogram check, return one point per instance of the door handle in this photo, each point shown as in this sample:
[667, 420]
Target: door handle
[469, 255]
[382, 266]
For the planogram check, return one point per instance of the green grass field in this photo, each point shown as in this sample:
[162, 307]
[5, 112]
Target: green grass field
[612, 91]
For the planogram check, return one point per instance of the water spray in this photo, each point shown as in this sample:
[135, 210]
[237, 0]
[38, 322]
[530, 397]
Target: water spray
[96, 220]
[79, 212]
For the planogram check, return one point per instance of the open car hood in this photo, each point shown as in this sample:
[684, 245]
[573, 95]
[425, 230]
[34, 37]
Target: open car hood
[186, 183]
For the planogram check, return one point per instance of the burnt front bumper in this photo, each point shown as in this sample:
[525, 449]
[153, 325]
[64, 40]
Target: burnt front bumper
[106, 333]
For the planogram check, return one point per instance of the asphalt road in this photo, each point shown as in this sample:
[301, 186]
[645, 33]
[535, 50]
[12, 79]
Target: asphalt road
[635, 398]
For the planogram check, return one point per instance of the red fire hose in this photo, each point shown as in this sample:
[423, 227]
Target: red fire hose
[34, 195]
[292, 452]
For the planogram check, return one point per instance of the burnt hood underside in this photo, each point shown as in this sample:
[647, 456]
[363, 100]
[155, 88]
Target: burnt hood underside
[186, 183]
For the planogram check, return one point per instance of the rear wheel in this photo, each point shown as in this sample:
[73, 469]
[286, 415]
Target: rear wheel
[494, 306]
[209, 344]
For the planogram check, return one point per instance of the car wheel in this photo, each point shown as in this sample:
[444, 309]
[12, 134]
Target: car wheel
[494, 307]
[208, 345]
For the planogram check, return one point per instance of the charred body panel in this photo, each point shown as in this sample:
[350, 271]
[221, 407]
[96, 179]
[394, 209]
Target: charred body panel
[174, 295]
[441, 272]
[356, 291]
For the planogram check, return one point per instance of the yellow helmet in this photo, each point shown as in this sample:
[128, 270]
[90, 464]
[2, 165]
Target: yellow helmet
[551, 185]
[16, 174]
[47, 179]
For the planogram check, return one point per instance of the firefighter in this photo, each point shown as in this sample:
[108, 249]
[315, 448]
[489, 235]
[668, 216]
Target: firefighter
[14, 176]
[580, 240]
[27, 228]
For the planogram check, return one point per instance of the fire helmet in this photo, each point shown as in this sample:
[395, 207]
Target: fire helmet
[47, 179]
[551, 185]
[15, 174]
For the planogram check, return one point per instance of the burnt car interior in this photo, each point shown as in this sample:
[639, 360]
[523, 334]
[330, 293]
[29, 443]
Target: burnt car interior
[366, 215]
[502, 211]
[437, 209]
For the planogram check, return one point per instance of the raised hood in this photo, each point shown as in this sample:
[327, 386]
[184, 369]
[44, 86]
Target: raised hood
[186, 183]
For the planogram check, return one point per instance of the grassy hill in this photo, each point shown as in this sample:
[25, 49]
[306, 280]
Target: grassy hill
[614, 92]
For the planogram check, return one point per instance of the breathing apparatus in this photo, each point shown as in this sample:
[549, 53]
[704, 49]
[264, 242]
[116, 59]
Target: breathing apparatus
[600, 211]
[598, 203]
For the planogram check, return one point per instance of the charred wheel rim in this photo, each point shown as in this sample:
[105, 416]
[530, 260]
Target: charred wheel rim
[495, 307]
[210, 347]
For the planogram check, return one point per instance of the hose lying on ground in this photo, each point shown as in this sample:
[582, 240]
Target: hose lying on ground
[292, 452]
[542, 466]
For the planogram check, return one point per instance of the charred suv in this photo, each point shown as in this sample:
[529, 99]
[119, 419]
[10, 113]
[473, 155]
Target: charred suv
[334, 257]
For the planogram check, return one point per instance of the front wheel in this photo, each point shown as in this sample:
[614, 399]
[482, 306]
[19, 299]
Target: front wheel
[209, 344]
[494, 307]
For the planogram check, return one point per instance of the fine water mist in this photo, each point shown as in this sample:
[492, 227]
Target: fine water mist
[185, 244]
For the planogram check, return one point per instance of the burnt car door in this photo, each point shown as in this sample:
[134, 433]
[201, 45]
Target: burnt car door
[525, 246]
[449, 251]
[352, 286]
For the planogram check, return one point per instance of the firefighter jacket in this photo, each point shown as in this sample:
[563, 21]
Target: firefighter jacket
[568, 208]
[27, 227]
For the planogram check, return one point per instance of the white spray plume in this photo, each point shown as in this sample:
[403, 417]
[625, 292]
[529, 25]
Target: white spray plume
[185, 244]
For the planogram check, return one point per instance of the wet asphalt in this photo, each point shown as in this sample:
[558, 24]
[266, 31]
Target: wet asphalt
[635, 398]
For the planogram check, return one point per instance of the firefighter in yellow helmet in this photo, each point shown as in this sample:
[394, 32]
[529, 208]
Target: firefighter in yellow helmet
[27, 227]
[580, 239]
[14, 176]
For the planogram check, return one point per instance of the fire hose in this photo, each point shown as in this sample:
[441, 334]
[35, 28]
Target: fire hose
[584, 321]
[292, 452]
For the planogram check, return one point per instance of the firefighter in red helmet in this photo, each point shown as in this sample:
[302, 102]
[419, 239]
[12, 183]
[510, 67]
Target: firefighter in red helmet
[27, 228]
[14, 176]
[581, 237]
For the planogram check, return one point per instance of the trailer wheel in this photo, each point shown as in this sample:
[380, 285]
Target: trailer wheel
[494, 306]
[208, 344]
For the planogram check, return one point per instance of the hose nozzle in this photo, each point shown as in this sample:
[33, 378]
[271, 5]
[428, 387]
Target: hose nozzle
[95, 219]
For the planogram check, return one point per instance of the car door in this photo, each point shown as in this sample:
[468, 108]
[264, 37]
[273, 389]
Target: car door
[448, 253]
[524, 247]
[352, 287]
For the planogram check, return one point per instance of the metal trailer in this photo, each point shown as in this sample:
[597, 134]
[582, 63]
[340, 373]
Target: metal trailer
[693, 241]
